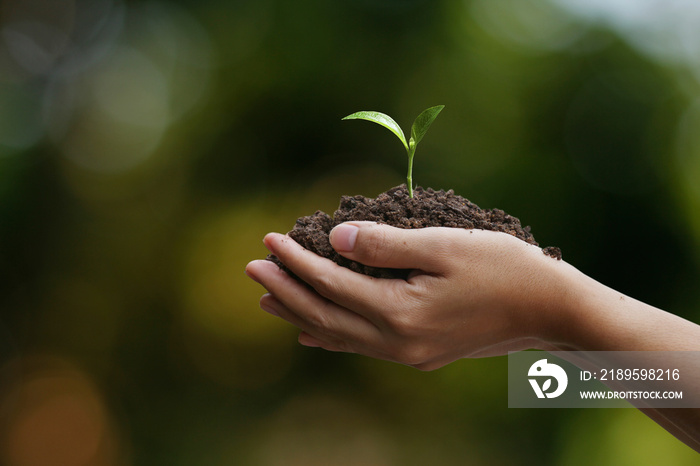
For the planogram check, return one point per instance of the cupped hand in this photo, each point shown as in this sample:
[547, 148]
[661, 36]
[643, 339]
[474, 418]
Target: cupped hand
[470, 293]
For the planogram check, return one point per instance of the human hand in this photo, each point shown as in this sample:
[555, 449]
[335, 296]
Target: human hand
[470, 293]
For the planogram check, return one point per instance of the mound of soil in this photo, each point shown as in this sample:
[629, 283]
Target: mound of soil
[428, 208]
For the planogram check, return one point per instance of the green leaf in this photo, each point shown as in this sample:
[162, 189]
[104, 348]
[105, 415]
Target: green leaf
[423, 122]
[381, 119]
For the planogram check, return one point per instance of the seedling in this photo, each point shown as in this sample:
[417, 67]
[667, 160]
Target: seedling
[418, 130]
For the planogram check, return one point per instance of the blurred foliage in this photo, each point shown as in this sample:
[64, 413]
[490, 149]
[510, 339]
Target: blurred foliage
[146, 147]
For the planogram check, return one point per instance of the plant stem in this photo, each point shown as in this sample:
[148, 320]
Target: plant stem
[409, 176]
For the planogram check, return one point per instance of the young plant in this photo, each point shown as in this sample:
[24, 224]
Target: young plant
[418, 130]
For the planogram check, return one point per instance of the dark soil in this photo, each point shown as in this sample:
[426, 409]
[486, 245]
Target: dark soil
[428, 208]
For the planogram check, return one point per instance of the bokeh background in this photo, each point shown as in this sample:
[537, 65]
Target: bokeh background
[147, 146]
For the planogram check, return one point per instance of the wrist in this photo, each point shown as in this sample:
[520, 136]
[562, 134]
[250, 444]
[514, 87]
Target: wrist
[563, 314]
[590, 316]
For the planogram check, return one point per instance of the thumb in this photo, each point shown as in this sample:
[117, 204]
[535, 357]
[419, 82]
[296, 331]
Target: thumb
[380, 245]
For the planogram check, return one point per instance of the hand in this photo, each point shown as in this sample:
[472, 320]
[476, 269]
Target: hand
[470, 293]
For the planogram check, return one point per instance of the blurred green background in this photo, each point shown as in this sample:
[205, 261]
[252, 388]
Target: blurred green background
[147, 146]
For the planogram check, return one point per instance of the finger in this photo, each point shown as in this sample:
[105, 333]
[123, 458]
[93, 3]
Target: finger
[318, 340]
[377, 349]
[275, 307]
[362, 294]
[380, 245]
[307, 310]
[269, 304]
[309, 340]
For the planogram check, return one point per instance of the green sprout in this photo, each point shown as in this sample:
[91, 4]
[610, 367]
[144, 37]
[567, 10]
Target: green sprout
[418, 130]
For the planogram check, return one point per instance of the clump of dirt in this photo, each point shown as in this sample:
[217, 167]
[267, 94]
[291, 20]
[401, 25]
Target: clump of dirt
[428, 208]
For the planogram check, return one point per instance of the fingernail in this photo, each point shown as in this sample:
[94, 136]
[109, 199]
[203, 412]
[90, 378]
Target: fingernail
[267, 304]
[307, 340]
[343, 237]
[251, 276]
[256, 267]
[268, 309]
[267, 241]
